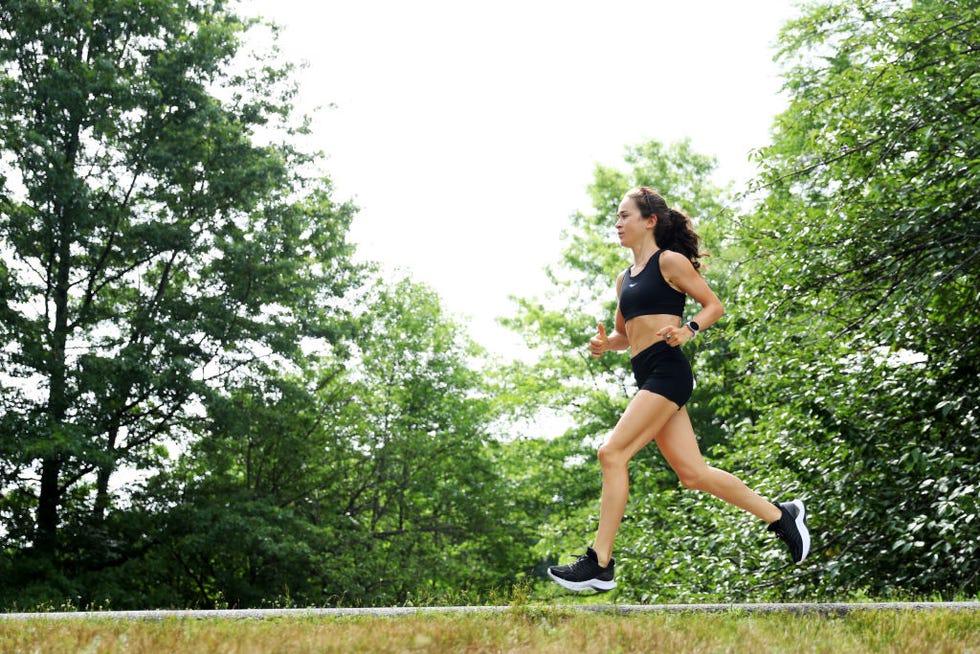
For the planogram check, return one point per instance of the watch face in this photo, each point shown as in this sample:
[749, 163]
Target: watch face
[696, 327]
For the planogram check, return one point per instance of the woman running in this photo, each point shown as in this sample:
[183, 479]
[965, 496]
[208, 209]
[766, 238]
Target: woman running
[652, 293]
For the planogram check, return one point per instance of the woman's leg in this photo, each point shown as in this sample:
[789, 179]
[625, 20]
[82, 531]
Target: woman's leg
[679, 446]
[645, 416]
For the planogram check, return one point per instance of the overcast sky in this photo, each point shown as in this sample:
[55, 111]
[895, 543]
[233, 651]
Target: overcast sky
[467, 132]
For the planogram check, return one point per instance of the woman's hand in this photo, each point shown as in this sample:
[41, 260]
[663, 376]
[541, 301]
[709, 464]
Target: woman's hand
[675, 336]
[599, 343]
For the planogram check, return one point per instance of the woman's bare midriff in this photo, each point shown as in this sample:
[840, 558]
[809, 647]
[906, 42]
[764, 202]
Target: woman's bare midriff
[641, 331]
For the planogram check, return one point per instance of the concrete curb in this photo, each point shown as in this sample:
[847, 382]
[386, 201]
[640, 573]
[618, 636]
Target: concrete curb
[831, 608]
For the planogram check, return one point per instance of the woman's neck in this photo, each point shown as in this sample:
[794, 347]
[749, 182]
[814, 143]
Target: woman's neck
[643, 252]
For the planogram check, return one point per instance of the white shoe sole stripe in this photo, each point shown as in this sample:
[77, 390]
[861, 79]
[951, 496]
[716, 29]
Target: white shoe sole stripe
[802, 528]
[579, 586]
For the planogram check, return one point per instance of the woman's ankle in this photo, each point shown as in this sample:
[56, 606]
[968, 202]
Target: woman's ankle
[603, 557]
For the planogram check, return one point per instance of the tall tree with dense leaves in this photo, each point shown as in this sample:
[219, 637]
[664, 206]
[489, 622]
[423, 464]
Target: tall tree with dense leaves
[861, 361]
[430, 508]
[367, 481]
[158, 232]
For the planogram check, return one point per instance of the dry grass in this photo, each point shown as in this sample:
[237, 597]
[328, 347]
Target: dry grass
[519, 630]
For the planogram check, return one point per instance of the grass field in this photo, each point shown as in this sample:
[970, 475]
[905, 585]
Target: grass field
[517, 630]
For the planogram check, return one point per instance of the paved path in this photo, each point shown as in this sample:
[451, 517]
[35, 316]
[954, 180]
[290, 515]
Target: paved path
[832, 608]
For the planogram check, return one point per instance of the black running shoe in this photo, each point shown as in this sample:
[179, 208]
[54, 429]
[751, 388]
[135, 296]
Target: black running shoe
[585, 574]
[791, 528]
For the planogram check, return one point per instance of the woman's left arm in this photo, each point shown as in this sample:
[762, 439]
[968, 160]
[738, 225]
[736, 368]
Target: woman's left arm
[680, 274]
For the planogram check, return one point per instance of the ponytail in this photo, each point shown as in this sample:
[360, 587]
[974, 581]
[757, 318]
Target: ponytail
[674, 230]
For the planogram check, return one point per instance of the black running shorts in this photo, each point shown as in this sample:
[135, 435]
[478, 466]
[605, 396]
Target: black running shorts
[664, 370]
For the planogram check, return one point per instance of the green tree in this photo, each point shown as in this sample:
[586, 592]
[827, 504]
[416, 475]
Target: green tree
[153, 243]
[431, 505]
[861, 358]
[366, 480]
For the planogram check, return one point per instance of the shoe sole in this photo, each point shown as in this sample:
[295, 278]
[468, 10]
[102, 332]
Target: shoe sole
[579, 586]
[801, 527]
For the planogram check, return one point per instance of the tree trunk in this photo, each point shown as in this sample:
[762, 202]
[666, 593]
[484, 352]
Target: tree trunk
[105, 472]
[49, 498]
[47, 506]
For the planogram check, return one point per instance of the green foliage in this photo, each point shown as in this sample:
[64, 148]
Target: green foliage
[152, 248]
[179, 307]
[365, 481]
[177, 302]
[861, 357]
[845, 369]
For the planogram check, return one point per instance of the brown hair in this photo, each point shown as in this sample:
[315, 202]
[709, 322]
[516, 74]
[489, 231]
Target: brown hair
[674, 230]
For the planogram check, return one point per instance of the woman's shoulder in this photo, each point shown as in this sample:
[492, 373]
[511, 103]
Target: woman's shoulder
[673, 259]
[674, 265]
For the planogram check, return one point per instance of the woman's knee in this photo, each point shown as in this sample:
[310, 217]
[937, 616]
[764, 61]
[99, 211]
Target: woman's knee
[611, 457]
[694, 478]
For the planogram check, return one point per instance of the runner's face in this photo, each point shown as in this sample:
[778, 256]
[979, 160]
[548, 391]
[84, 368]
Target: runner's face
[631, 226]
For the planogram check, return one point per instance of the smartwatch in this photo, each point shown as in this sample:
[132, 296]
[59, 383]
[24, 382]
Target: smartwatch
[694, 327]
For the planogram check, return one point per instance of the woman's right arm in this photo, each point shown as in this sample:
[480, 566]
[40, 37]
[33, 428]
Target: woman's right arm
[617, 340]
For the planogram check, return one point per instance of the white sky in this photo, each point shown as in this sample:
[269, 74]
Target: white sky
[467, 132]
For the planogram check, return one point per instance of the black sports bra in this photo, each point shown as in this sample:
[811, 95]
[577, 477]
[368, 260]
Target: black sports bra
[649, 293]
